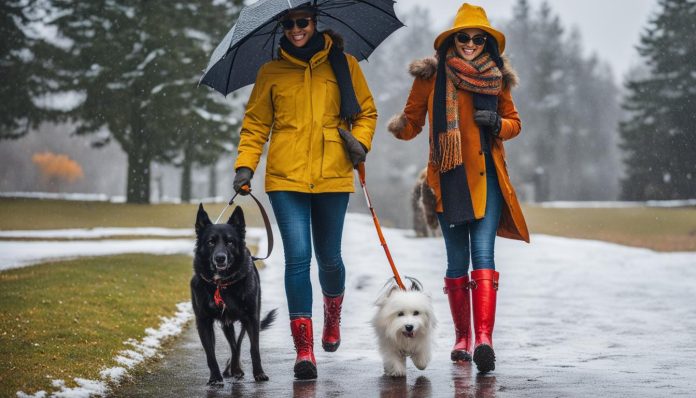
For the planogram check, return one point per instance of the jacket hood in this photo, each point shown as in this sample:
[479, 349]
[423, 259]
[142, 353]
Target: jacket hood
[426, 68]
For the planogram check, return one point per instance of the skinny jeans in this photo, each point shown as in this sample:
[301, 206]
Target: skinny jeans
[304, 218]
[476, 238]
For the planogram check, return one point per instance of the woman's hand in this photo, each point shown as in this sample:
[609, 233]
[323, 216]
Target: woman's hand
[242, 179]
[488, 119]
[356, 151]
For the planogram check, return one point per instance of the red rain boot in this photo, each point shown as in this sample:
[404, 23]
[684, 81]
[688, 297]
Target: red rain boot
[302, 336]
[484, 288]
[457, 291]
[331, 335]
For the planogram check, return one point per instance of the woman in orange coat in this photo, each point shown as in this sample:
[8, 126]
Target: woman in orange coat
[465, 91]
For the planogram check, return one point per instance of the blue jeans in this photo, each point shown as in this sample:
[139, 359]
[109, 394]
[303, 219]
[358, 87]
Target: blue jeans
[323, 213]
[481, 233]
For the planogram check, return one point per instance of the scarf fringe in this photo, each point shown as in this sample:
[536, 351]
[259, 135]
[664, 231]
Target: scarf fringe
[450, 150]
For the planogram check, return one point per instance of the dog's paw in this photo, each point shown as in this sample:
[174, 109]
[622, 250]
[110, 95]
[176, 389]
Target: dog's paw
[395, 373]
[236, 373]
[215, 381]
[261, 377]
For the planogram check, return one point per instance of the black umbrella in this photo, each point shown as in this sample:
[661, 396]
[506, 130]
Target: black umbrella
[253, 40]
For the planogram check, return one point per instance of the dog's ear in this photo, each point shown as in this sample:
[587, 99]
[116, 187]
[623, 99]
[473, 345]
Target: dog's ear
[383, 298]
[237, 220]
[415, 284]
[202, 219]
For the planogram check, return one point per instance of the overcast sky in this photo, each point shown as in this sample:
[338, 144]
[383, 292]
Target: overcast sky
[611, 28]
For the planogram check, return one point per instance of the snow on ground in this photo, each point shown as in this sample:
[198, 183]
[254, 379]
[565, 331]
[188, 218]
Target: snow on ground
[128, 358]
[94, 233]
[617, 204]
[15, 254]
[220, 199]
[574, 315]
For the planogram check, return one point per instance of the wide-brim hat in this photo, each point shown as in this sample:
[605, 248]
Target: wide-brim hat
[471, 16]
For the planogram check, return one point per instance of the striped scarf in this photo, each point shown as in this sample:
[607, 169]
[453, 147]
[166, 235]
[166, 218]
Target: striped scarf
[480, 76]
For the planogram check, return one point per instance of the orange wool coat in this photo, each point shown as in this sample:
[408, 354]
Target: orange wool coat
[410, 123]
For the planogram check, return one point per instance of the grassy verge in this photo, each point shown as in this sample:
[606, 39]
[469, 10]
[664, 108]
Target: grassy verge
[662, 229]
[69, 319]
[30, 214]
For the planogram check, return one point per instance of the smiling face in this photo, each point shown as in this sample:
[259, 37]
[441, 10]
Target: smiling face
[295, 34]
[469, 50]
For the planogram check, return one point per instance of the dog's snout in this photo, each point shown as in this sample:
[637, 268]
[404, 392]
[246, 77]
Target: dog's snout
[220, 258]
[409, 328]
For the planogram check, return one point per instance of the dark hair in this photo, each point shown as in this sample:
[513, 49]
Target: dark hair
[491, 47]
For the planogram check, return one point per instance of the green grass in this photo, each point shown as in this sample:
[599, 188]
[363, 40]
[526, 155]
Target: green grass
[18, 213]
[69, 319]
[662, 229]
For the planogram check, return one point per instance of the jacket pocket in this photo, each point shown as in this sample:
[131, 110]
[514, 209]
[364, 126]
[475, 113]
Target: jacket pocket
[335, 162]
[287, 107]
[283, 161]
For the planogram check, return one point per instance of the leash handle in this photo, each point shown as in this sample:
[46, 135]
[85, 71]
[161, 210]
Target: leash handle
[382, 241]
[264, 215]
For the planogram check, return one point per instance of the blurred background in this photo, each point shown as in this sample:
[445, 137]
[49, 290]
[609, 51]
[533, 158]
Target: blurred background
[100, 100]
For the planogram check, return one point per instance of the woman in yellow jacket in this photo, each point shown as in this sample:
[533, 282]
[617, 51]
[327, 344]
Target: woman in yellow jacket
[307, 100]
[466, 91]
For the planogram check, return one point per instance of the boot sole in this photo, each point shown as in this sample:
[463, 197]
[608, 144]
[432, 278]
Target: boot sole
[460, 356]
[305, 370]
[331, 347]
[484, 358]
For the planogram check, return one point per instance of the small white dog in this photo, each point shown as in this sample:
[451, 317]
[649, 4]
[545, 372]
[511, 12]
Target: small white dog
[404, 324]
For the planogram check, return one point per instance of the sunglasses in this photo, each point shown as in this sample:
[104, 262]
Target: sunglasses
[300, 22]
[478, 40]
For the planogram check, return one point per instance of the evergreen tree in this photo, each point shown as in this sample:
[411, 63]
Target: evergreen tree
[22, 71]
[659, 137]
[568, 106]
[138, 65]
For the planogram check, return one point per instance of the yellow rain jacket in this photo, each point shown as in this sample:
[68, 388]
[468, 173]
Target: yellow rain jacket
[298, 104]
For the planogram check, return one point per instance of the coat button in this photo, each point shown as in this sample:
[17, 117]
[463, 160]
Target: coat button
[311, 186]
[482, 173]
[480, 152]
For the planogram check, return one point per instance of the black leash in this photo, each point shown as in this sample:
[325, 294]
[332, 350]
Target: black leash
[266, 221]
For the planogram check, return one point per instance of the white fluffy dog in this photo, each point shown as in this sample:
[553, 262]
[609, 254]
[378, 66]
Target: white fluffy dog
[404, 324]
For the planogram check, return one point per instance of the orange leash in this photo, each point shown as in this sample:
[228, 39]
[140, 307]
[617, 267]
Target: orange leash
[361, 175]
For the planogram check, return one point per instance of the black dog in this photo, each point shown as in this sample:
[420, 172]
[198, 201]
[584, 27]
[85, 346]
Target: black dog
[225, 286]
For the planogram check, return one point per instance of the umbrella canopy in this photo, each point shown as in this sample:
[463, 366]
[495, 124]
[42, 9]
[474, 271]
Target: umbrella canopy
[253, 40]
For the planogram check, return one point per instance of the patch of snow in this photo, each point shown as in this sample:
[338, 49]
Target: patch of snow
[143, 349]
[17, 254]
[617, 204]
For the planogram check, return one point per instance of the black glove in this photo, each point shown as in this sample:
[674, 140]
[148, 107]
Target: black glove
[242, 178]
[489, 119]
[356, 151]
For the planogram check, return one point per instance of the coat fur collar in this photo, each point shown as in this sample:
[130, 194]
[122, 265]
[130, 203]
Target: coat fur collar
[426, 68]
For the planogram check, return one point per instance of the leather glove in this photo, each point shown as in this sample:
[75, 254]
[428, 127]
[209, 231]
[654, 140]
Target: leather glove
[356, 151]
[242, 178]
[489, 119]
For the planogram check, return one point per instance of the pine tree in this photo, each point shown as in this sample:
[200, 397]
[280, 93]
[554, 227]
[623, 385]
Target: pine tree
[659, 137]
[21, 69]
[138, 64]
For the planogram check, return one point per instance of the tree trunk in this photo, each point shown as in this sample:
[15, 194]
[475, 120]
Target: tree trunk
[186, 179]
[212, 181]
[138, 190]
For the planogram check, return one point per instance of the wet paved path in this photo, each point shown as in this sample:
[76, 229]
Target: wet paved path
[575, 318]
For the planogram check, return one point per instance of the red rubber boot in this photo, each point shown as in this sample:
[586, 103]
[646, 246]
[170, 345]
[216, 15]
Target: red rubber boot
[457, 291]
[484, 289]
[331, 335]
[302, 336]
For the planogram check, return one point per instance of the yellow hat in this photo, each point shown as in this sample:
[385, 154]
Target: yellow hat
[471, 16]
